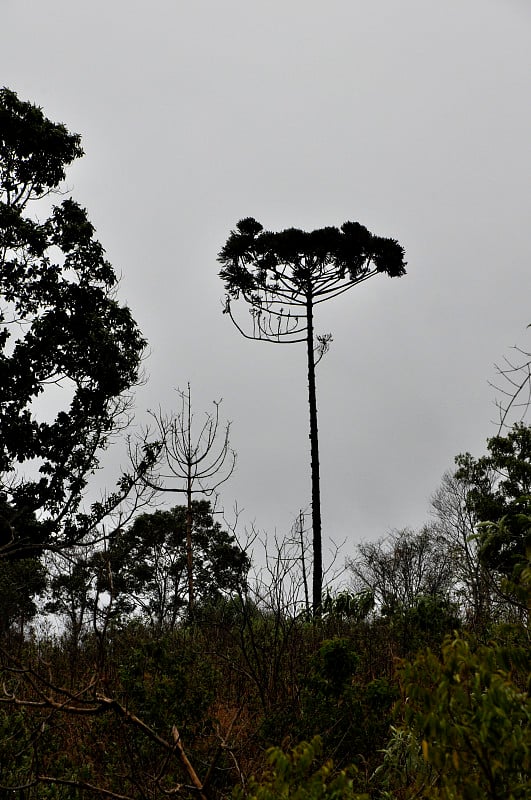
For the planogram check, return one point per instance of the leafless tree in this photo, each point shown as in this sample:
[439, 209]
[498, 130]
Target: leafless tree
[188, 461]
[455, 523]
[402, 567]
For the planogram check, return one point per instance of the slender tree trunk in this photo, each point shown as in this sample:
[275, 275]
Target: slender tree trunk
[303, 562]
[314, 450]
[189, 515]
[189, 554]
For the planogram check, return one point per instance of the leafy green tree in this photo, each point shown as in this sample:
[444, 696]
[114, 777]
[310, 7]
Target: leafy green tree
[60, 326]
[499, 497]
[347, 605]
[22, 576]
[282, 277]
[149, 562]
[78, 595]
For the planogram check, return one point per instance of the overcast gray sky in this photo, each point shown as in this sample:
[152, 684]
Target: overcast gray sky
[411, 116]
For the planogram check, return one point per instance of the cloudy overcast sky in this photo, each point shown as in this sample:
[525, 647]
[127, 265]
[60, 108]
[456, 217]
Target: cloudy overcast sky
[411, 116]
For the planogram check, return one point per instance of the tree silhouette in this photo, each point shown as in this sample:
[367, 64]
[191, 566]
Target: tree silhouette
[189, 463]
[65, 341]
[282, 277]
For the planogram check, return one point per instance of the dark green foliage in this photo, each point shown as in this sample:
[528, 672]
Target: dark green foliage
[148, 561]
[207, 679]
[329, 703]
[22, 576]
[499, 497]
[351, 714]
[70, 589]
[473, 719]
[20, 581]
[167, 681]
[33, 150]
[162, 681]
[349, 605]
[254, 259]
[56, 285]
[15, 760]
[334, 666]
[301, 775]
[425, 623]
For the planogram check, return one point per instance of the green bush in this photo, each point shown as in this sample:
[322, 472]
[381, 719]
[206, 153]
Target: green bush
[301, 775]
[166, 682]
[470, 711]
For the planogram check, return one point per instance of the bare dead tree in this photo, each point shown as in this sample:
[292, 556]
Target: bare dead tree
[189, 461]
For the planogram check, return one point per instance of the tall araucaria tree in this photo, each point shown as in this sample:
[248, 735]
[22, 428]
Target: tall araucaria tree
[282, 277]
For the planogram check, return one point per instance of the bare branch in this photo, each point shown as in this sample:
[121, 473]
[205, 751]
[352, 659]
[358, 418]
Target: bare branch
[190, 771]
[78, 784]
[514, 384]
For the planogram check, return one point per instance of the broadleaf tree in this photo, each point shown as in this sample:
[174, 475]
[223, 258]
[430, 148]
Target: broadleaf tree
[499, 497]
[68, 349]
[282, 277]
[149, 562]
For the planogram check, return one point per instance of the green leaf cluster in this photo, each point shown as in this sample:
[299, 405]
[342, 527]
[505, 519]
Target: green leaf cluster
[301, 775]
[471, 711]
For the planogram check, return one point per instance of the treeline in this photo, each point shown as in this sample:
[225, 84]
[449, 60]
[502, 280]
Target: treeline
[142, 653]
[415, 679]
[130, 708]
